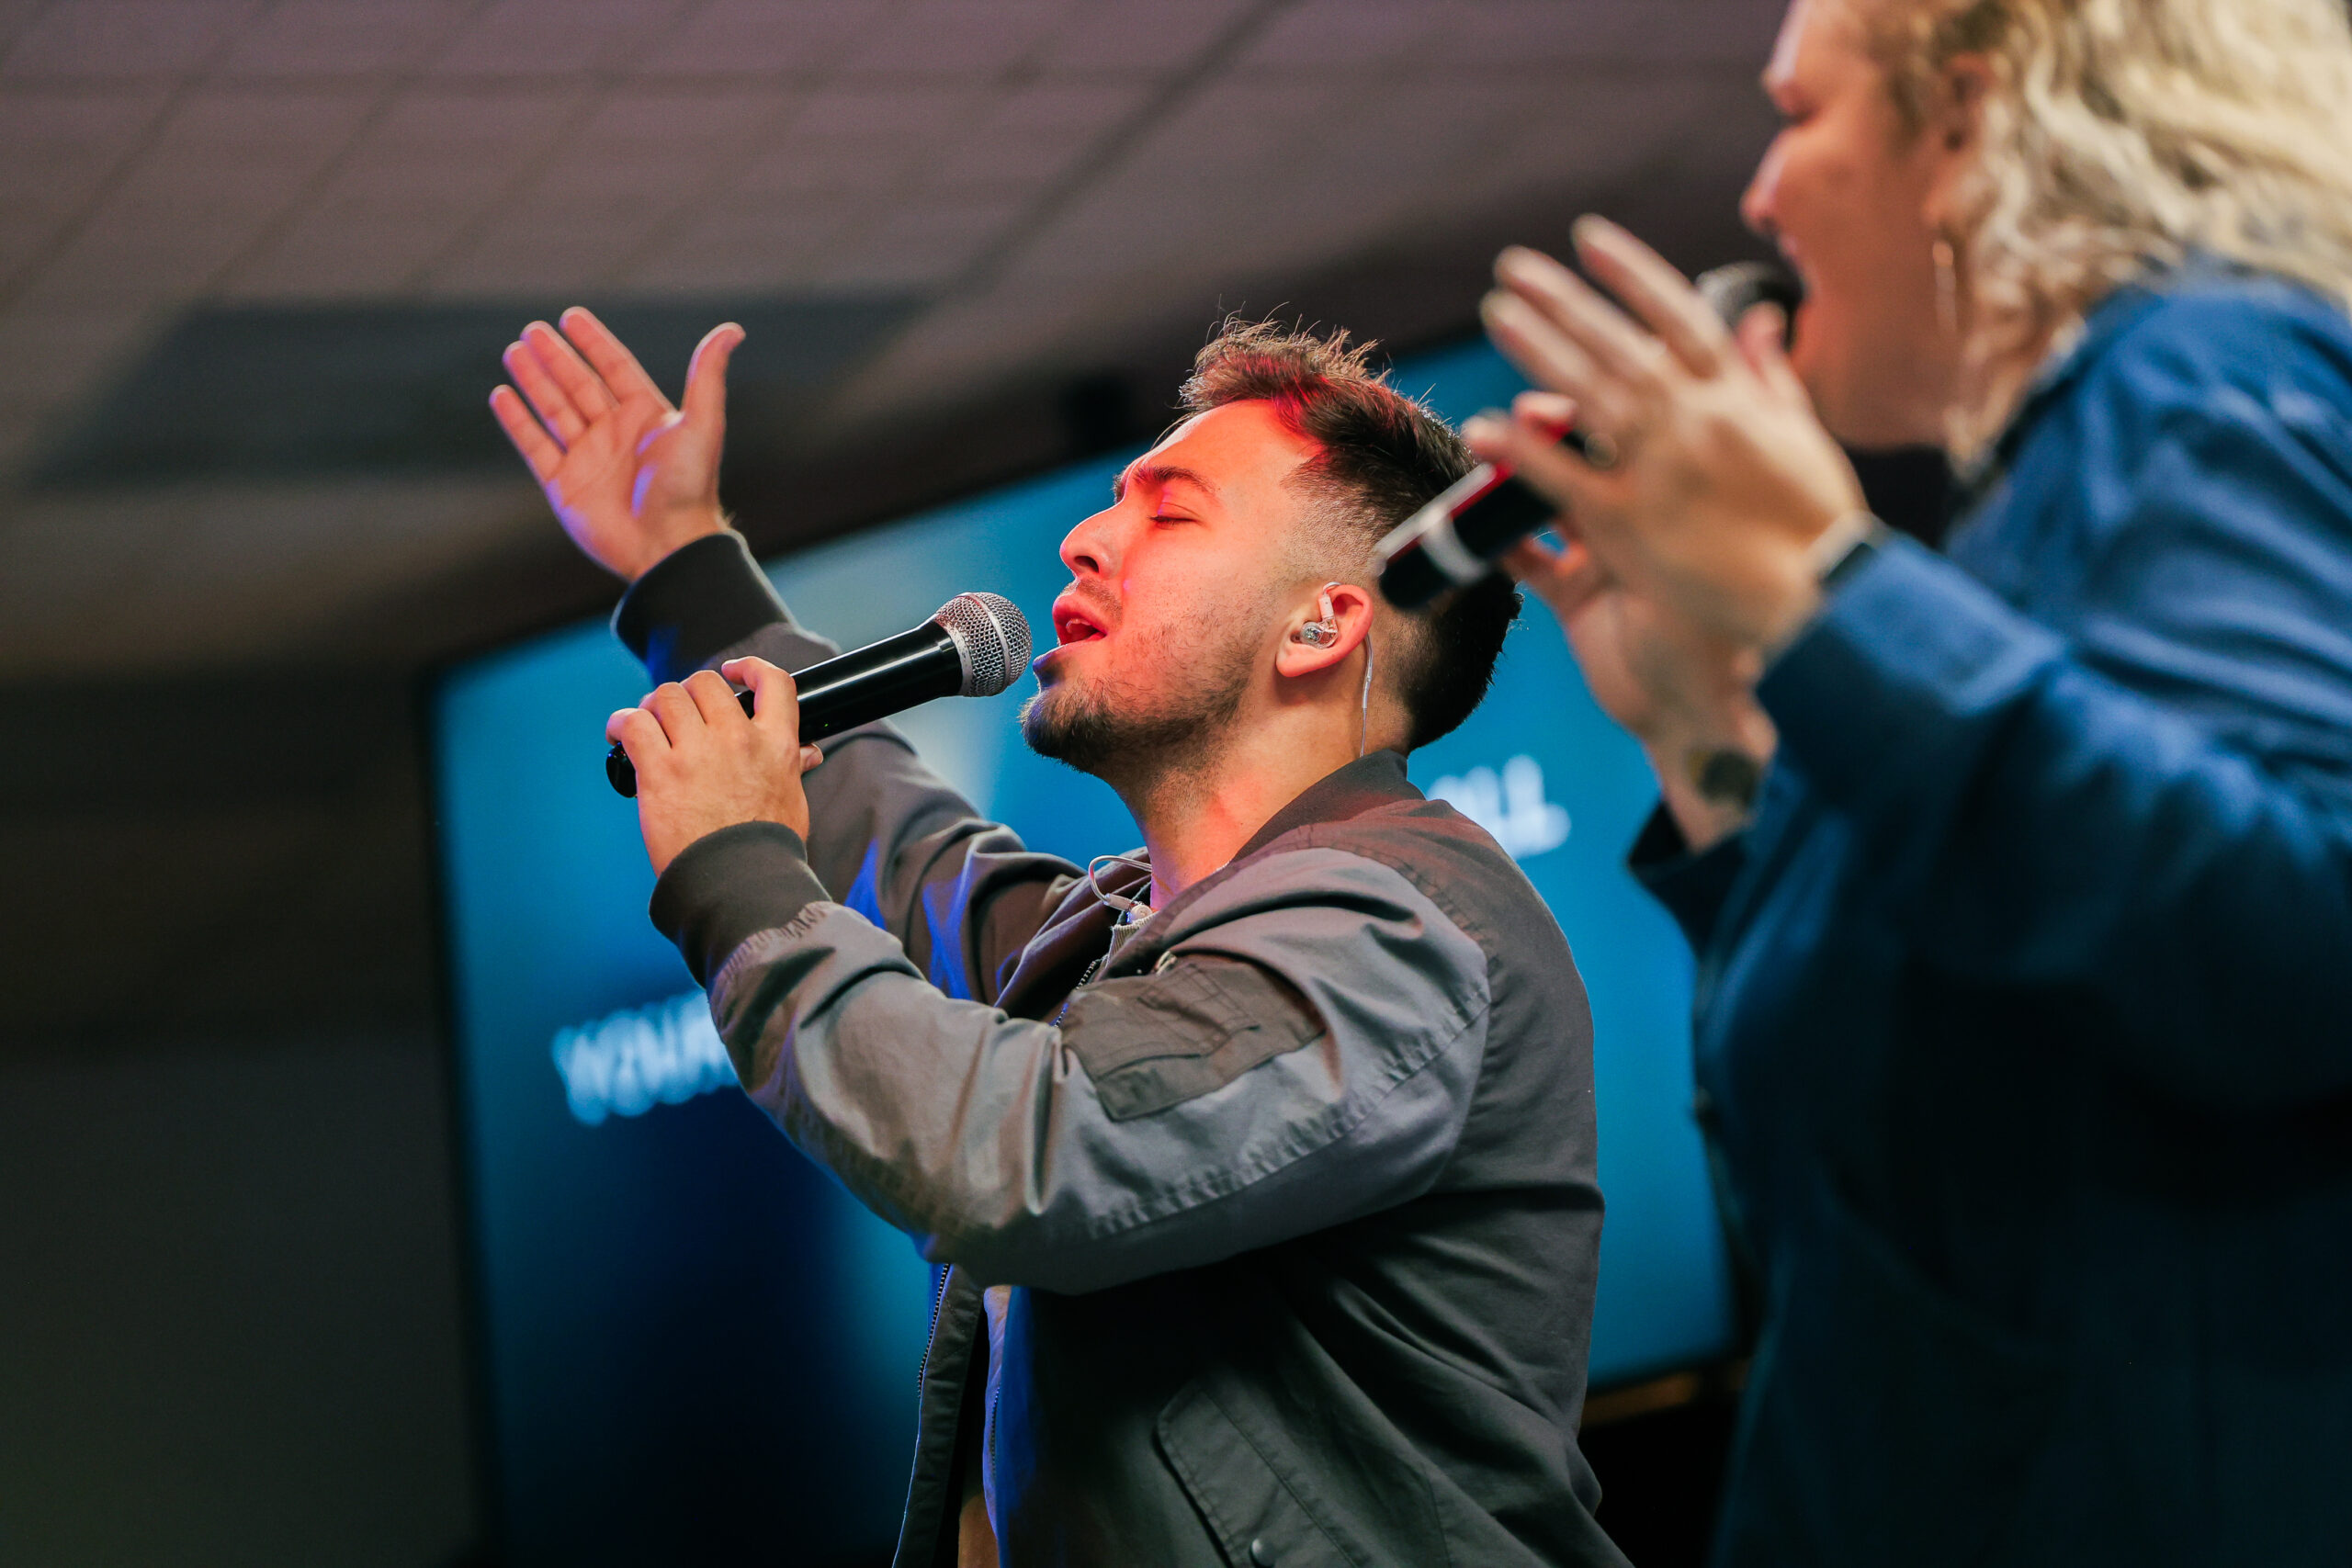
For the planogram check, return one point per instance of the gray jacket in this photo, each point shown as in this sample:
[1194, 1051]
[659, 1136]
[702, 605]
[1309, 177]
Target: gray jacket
[1294, 1181]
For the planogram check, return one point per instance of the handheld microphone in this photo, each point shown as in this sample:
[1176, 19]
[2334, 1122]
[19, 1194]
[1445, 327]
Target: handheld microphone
[977, 646]
[1455, 539]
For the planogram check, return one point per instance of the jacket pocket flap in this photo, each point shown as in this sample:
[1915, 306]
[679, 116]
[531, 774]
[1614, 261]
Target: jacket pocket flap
[1156, 1041]
[1257, 1514]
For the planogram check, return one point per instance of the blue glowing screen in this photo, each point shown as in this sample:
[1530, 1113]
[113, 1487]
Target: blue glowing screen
[699, 1349]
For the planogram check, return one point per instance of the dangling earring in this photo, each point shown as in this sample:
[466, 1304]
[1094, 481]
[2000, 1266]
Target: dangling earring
[1947, 287]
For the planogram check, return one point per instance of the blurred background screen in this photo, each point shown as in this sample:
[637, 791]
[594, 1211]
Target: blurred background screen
[697, 1345]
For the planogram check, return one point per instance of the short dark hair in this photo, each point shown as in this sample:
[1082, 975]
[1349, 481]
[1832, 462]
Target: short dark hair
[1384, 456]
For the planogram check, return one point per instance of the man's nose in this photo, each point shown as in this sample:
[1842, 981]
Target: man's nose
[1089, 549]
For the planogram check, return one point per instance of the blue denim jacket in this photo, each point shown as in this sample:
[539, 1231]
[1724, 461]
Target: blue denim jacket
[2024, 1012]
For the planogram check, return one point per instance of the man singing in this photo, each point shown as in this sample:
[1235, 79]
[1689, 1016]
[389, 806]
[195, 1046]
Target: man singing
[1262, 1160]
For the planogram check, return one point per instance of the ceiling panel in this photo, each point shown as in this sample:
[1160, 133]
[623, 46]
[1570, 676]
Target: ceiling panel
[278, 392]
[426, 171]
[223, 167]
[344, 37]
[1521, 34]
[1033, 136]
[796, 35]
[551, 38]
[916, 247]
[56, 145]
[1348, 35]
[1139, 38]
[755, 247]
[965, 39]
[86, 38]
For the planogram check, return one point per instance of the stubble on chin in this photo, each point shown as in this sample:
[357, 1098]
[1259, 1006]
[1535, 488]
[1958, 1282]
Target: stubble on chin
[1127, 745]
[1134, 740]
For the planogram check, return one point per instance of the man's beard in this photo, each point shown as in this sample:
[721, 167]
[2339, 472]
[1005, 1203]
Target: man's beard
[1132, 743]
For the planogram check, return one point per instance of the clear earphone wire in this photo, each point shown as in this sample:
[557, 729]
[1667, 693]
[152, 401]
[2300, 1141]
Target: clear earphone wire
[1118, 901]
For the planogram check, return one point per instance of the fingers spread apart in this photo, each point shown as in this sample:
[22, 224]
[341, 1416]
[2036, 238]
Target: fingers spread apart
[1553, 358]
[1574, 307]
[589, 395]
[564, 418]
[613, 361]
[541, 450]
[1660, 298]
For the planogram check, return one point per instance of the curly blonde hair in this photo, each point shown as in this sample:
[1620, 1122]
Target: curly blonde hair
[2120, 138]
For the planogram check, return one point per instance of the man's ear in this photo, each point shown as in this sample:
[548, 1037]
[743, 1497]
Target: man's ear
[1307, 649]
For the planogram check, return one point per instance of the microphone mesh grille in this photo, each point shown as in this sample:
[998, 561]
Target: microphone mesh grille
[992, 638]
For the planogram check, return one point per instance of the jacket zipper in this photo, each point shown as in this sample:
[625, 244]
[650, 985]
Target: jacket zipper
[922, 1373]
[1083, 981]
[996, 1387]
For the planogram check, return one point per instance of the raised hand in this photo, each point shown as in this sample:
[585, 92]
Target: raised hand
[630, 476]
[1685, 692]
[1722, 478]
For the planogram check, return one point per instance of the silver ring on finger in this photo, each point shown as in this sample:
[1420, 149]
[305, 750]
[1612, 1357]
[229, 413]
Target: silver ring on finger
[1598, 448]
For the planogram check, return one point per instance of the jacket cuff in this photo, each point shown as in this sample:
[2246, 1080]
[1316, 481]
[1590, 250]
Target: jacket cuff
[694, 602]
[1882, 697]
[1692, 887]
[727, 886]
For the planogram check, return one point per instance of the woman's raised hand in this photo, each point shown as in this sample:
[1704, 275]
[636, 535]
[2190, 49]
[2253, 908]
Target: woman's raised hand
[1687, 694]
[630, 476]
[1719, 477]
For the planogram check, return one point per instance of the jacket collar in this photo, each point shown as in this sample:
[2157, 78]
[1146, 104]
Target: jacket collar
[2069, 360]
[1371, 781]
[1075, 934]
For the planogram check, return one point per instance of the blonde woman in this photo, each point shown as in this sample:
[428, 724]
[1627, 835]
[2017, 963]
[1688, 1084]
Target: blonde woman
[2020, 878]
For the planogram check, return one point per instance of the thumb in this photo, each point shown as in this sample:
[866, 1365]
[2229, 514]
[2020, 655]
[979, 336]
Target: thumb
[1763, 334]
[705, 400]
[1566, 579]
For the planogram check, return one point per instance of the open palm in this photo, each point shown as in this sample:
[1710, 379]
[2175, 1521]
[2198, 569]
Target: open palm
[631, 477]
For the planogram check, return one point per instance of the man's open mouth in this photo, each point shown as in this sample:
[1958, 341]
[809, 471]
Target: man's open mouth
[1074, 624]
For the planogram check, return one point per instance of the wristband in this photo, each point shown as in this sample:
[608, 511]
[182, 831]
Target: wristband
[1845, 548]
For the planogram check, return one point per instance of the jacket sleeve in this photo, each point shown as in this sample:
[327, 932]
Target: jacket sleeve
[1303, 1053]
[888, 837]
[2150, 820]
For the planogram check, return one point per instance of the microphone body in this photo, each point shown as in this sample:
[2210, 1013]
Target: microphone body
[1455, 540]
[876, 681]
[976, 646]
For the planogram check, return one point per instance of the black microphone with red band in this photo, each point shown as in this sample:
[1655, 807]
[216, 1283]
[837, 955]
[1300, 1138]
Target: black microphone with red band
[1455, 540]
